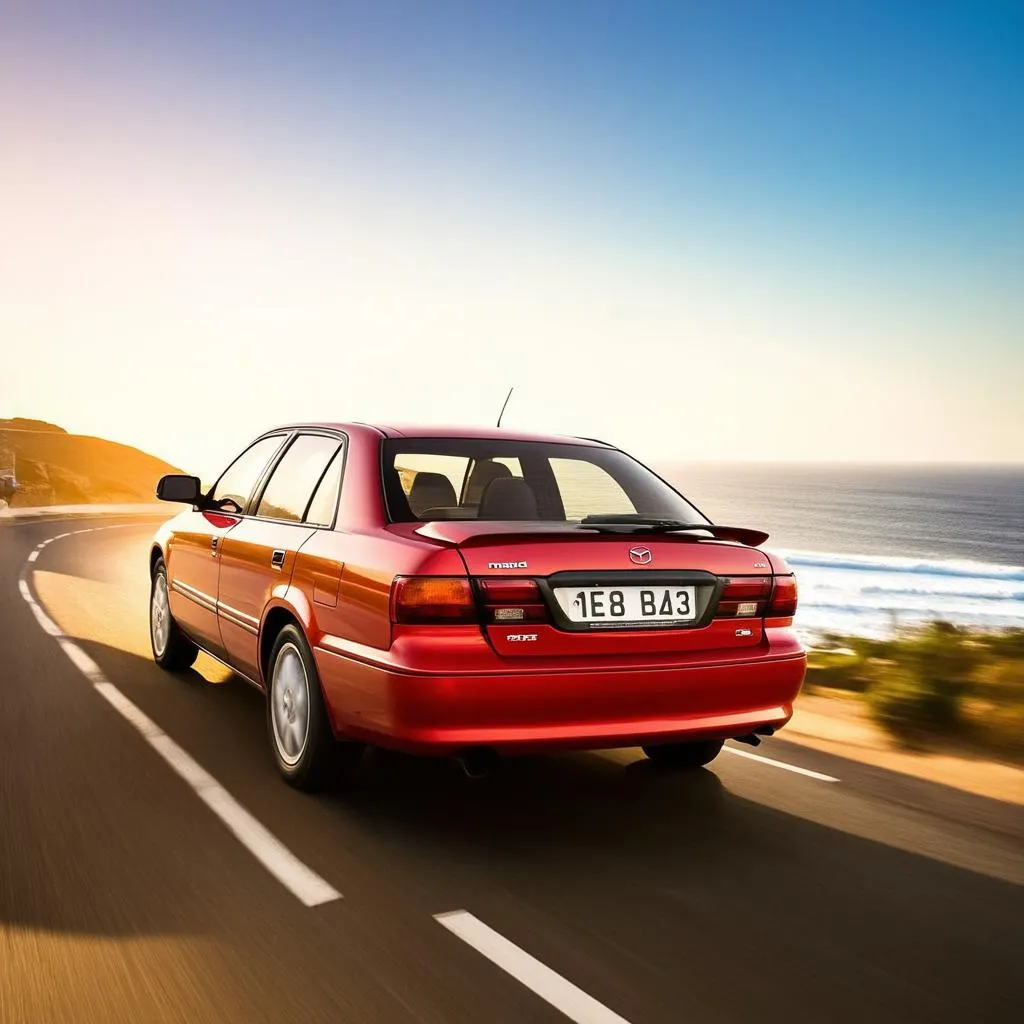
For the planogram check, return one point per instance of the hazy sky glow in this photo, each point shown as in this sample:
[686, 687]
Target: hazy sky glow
[699, 230]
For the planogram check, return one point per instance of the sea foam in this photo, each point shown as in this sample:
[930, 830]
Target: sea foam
[869, 595]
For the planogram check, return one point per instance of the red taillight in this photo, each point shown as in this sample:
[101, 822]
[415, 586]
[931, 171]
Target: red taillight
[744, 597]
[784, 598]
[510, 601]
[509, 591]
[432, 600]
[755, 596]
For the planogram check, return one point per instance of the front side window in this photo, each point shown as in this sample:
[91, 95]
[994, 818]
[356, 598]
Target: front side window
[235, 486]
[296, 476]
[455, 478]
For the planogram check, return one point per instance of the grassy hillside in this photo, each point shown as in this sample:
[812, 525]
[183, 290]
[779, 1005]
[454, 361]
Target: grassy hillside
[57, 468]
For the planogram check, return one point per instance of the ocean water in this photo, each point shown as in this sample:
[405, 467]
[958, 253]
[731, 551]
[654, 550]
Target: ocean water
[878, 547]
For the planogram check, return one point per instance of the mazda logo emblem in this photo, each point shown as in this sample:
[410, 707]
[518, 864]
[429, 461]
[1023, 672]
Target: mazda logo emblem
[641, 556]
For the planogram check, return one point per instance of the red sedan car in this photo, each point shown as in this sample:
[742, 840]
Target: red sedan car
[471, 593]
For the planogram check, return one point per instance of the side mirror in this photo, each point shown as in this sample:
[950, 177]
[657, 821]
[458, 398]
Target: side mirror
[178, 487]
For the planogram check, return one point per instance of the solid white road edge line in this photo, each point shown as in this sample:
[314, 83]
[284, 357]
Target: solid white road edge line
[540, 979]
[781, 764]
[300, 880]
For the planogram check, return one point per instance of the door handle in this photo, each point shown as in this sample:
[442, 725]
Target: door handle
[277, 559]
[213, 546]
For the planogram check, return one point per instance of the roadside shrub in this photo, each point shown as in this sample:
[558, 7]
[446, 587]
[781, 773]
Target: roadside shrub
[911, 709]
[995, 711]
[835, 670]
[934, 682]
[1006, 644]
[920, 691]
[846, 663]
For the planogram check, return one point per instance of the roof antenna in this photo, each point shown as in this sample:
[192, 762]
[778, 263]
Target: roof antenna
[507, 397]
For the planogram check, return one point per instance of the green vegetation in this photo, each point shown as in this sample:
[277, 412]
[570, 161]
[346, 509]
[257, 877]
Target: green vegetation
[935, 683]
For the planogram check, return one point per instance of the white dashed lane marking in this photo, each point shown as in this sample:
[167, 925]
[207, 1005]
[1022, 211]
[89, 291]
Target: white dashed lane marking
[300, 880]
[538, 977]
[820, 776]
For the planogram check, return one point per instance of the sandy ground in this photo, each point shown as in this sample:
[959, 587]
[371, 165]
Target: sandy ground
[838, 724]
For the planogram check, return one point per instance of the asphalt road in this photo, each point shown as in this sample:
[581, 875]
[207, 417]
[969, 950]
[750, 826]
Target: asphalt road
[743, 892]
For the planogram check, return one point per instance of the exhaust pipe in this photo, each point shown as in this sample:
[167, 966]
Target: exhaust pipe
[478, 762]
[754, 738]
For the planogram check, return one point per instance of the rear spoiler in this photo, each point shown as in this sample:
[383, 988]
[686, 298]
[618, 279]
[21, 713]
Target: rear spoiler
[752, 538]
[472, 532]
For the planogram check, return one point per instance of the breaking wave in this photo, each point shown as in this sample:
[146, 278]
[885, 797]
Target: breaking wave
[865, 595]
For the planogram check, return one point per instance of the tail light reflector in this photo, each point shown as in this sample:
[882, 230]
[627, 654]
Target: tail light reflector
[432, 600]
[784, 597]
[744, 597]
[513, 600]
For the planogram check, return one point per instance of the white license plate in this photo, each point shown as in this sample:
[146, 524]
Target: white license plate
[620, 605]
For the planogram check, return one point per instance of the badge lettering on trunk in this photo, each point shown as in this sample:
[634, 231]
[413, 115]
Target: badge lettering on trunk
[507, 565]
[521, 638]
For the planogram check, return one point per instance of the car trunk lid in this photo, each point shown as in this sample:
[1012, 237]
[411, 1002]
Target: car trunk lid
[623, 572]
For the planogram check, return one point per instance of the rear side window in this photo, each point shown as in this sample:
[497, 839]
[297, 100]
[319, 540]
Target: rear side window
[325, 497]
[237, 482]
[296, 476]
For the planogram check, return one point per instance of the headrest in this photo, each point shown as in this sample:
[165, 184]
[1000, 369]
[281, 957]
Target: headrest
[483, 473]
[431, 490]
[508, 498]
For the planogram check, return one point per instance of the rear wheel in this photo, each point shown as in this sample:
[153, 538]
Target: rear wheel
[304, 747]
[171, 648]
[684, 755]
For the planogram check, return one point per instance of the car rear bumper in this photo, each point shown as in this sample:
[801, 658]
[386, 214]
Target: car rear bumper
[537, 711]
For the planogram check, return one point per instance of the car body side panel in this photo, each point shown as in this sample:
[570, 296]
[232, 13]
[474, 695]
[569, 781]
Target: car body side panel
[292, 601]
[193, 567]
[361, 504]
[371, 565]
[318, 566]
[247, 582]
[361, 617]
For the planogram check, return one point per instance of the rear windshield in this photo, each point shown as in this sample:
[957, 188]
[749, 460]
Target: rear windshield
[429, 479]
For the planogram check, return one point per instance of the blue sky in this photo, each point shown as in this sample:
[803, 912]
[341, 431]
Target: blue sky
[821, 203]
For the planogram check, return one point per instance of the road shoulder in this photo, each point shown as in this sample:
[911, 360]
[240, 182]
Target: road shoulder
[839, 726]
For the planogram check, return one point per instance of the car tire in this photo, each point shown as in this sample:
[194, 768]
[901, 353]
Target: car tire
[695, 754]
[172, 650]
[304, 747]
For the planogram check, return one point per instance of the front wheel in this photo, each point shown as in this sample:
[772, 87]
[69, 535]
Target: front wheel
[171, 648]
[304, 747]
[684, 755]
